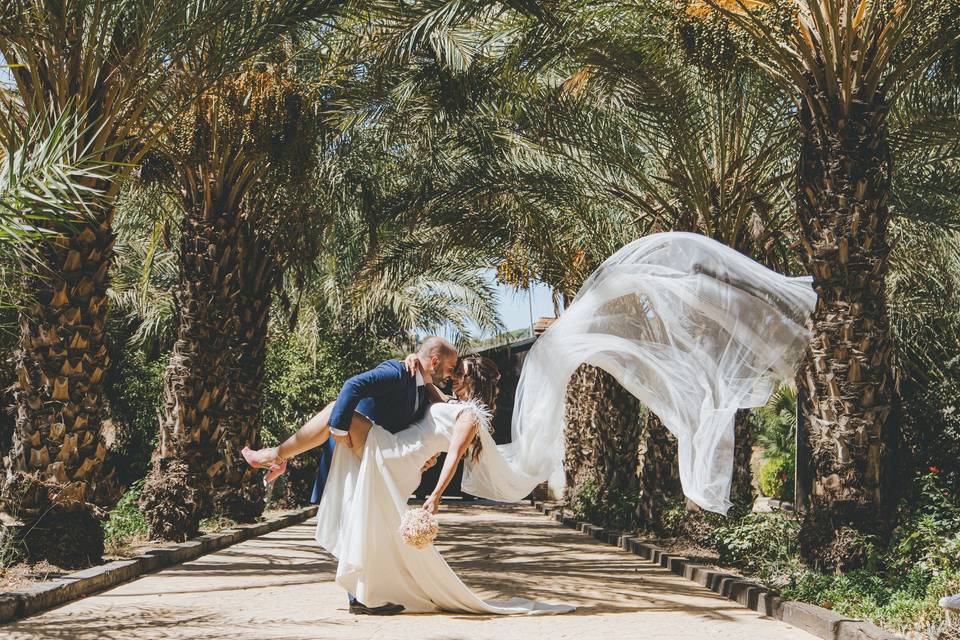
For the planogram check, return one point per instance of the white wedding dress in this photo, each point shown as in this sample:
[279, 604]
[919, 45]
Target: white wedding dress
[359, 517]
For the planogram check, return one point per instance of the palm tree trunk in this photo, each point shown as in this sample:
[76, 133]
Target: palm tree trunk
[844, 182]
[579, 458]
[198, 381]
[741, 490]
[55, 487]
[214, 383]
[239, 492]
[6, 400]
[603, 427]
[659, 471]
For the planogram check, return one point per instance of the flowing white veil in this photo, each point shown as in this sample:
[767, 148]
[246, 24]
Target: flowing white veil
[692, 328]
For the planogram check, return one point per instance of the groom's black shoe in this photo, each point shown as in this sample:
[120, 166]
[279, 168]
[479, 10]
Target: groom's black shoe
[388, 609]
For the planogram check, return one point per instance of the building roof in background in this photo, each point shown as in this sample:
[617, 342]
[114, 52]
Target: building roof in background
[543, 324]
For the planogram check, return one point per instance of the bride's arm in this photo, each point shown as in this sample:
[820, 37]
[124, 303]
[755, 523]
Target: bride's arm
[464, 431]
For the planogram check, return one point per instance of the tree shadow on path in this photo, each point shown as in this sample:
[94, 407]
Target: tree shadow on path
[281, 586]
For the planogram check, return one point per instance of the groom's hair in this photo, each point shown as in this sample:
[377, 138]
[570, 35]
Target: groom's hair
[437, 346]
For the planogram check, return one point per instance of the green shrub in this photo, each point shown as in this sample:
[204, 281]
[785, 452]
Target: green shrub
[758, 539]
[618, 510]
[584, 501]
[776, 478]
[901, 588]
[135, 391]
[898, 605]
[932, 427]
[216, 523]
[698, 526]
[673, 517]
[293, 390]
[621, 509]
[777, 426]
[125, 522]
[928, 536]
[303, 374]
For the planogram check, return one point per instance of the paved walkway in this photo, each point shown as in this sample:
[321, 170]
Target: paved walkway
[279, 587]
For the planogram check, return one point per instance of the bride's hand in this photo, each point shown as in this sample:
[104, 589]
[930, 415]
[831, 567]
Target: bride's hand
[412, 363]
[432, 504]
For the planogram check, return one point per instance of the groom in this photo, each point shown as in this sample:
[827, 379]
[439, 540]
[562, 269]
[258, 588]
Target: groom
[389, 396]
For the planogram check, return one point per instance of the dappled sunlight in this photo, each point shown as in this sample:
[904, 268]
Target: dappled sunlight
[281, 586]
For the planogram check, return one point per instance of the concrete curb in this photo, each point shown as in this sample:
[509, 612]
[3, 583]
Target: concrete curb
[20, 604]
[815, 620]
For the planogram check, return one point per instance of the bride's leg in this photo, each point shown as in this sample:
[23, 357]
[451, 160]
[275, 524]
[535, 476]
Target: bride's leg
[313, 434]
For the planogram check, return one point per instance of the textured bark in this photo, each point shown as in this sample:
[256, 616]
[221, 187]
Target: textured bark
[659, 471]
[741, 489]
[7, 421]
[177, 492]
[213, 387]
[238, 491]
[579, 461]
[197, 380]
[613, 442]
[844, 182]
[54, 465]
[603, 427]
[243, 155]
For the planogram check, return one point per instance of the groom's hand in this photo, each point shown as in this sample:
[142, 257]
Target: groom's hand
[412, 363]
[343, 439]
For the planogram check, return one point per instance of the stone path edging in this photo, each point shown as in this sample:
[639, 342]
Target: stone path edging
[815, 620]
[20, 604]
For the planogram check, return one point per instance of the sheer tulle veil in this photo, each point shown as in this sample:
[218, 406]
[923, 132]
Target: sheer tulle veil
[692, 328]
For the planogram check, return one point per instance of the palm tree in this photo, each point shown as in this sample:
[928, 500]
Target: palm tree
[242, 153]
[846, 63]
[46, 173]
[385, 264]
[115, 62]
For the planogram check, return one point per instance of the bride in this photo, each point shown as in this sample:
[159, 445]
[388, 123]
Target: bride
[366, 496]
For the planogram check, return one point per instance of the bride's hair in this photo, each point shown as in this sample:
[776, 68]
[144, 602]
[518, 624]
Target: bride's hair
[482, 375]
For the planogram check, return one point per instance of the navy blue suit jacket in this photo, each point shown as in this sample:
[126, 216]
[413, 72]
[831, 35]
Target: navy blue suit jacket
[387, 394]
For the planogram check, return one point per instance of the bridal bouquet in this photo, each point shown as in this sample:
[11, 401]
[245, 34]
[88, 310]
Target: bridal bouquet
[418, 527]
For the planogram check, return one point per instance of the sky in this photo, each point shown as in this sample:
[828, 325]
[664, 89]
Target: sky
[514, 305]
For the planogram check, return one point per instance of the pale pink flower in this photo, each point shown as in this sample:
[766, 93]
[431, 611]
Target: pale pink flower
[418, 527]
